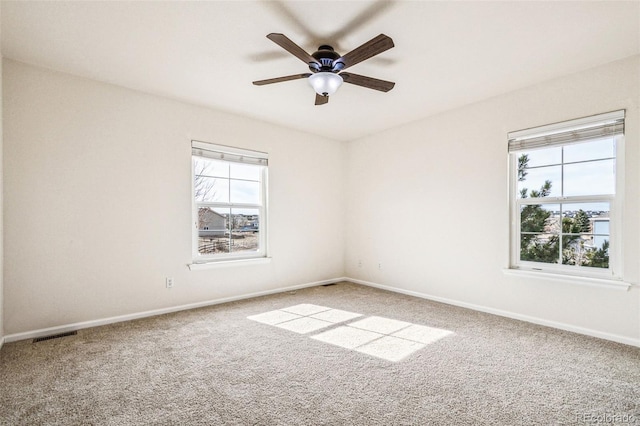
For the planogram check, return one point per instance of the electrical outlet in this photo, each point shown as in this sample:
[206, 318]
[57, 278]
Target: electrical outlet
[359, 263]
[379, 265]
[169, 282]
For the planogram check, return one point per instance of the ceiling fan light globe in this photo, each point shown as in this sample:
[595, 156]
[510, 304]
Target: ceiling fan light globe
[325, 83]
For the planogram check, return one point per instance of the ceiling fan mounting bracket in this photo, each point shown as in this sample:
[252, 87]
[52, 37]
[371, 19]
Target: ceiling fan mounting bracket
[325, 47]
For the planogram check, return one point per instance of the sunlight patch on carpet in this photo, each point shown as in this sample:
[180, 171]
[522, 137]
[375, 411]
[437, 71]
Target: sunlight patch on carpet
[347, 337]
[304, 318]
[336, 316]
[274, 317]
[390, 348]
[422, 334]
[385, 338]
[380, 325]
[304, 325]
[305, 309]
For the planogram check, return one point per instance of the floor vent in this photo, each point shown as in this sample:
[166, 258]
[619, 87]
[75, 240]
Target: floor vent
[328, 285]
[54, 336]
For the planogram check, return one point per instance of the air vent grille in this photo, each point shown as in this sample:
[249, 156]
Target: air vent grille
[54, 336]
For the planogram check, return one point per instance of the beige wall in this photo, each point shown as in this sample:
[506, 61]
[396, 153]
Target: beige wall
[429, 202]
[97, 211]
[98, 202]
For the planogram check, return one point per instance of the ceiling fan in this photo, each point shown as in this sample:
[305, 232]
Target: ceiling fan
[326, 66]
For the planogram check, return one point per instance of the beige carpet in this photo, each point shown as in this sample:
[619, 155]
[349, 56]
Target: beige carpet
[335, 355]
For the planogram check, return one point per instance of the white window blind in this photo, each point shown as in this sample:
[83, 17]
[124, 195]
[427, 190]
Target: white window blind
[579, 130]
[227, 153]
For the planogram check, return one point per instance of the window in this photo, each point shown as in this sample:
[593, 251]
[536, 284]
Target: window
[229, 209]
[564, 182]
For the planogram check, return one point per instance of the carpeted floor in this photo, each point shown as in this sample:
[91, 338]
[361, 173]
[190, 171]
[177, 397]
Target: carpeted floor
[217, 366]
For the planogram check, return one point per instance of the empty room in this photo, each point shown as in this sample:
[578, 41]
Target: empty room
[320, 212]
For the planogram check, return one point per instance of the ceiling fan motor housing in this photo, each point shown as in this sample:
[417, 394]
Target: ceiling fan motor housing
[326, 56]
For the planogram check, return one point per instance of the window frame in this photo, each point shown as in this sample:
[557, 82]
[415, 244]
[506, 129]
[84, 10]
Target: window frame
[614, 271]
[261, 206]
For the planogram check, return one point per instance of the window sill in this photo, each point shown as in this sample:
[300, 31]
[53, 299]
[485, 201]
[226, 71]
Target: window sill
[228, 263]
[572, 279]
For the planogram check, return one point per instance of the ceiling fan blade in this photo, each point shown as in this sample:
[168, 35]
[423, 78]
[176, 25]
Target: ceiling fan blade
[280, 79]
[297, 51]
[368, 82]
[371, 48]
[321, 100]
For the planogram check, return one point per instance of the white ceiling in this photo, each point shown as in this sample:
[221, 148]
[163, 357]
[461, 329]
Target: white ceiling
[446, 54]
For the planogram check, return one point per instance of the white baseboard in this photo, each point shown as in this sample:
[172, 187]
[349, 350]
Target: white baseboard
[104, 321]
[540, 321]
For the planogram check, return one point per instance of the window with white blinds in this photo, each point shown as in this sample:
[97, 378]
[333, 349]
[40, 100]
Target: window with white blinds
[229, 202]
[564, 197]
